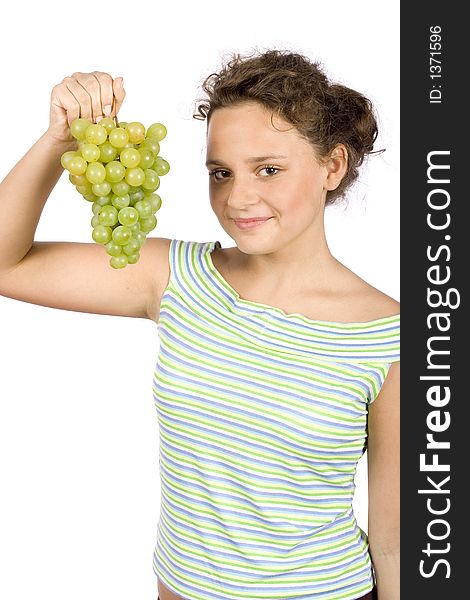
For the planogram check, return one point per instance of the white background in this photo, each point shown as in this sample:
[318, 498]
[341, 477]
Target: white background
[79, 500]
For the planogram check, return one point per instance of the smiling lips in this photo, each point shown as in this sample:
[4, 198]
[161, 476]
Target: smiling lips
[250, 223]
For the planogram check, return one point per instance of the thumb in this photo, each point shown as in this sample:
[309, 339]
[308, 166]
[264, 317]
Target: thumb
[119, 95]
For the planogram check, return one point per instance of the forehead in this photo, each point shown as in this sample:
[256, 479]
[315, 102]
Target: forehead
[249, 123]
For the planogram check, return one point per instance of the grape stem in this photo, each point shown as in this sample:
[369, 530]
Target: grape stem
[115, 116]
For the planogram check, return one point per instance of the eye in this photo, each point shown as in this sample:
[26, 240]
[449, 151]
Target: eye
[219, 174]
[269, 170]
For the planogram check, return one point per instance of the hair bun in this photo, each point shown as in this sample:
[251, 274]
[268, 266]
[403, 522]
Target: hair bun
[350, 108]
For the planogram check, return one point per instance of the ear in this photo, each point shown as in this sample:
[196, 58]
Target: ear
[336, 165]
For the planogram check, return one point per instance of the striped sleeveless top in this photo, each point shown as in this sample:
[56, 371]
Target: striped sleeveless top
[262, 419]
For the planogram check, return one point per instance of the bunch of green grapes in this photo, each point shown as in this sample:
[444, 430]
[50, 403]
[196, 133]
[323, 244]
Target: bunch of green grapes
[117, 168]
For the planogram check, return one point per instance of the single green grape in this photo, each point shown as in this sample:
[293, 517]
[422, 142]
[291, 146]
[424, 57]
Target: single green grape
[90, 197]
[151, 144]
[133, 258]
[115, 171]
[130, 157]
[78, 179]
[135, 177]
[101, 234]
[90, 152]
[151, 181]
[108, 215]
[121, 235]
[78, 128]
[121, 188]
[95, 221]
[148, 224]
[101, 189]
[161, 166]
[123, 124]
[120, 201]
[95, 172]
[155, 201]
[157, 131]
[132, 247]
[107, 152]
[67, 158]
[136, 132]
[118, 137]
[113, 249]
[84, 189]
[96, 134]
[135, 229]
[128, 216]
[144, 207]
[147, 157]
[136, 194]
[118, 262]
[103, 200]
[96, 208]
[77, 165]
[140, 236]
[108, 123]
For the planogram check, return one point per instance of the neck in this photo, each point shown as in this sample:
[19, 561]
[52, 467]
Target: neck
[305, 259]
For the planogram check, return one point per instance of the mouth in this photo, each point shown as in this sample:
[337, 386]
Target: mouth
[251, 223]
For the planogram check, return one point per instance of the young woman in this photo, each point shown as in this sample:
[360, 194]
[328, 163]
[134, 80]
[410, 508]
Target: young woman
[278, 366]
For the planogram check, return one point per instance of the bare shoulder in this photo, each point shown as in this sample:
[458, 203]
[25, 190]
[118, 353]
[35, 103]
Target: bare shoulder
[370, 302]
[379, 305]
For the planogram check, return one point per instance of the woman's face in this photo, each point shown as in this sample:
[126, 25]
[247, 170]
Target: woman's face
[257, 170]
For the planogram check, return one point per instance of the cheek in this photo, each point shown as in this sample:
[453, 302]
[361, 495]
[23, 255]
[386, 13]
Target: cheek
[214, 192]
[298, 205]
[294, 196]
[215, 200]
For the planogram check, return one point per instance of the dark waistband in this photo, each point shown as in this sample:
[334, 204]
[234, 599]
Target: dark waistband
[372, 595]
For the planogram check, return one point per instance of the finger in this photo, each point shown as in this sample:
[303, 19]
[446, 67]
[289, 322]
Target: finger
[81, 96]
[91, 86]
[64, 99]
[105, 82]
[119, 94]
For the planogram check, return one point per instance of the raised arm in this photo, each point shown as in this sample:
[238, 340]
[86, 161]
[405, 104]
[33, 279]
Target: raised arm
[67, 275]
[383, 453]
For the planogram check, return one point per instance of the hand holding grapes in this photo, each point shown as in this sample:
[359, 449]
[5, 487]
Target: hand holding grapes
[115, 166]
[87, 95]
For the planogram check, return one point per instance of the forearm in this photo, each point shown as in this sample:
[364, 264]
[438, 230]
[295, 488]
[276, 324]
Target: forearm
[23, 194]
[387, 572]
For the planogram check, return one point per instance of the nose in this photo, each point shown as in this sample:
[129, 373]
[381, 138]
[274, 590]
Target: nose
[241, 194]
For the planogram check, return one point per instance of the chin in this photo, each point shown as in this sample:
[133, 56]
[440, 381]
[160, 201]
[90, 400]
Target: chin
[254, 246]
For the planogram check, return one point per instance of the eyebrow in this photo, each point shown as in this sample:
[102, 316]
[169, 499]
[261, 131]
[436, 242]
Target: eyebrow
[252, 159]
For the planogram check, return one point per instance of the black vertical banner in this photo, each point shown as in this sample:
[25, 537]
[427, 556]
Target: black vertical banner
[435, 260]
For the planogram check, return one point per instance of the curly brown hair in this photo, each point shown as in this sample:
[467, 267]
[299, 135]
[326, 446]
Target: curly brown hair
[297, 89]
